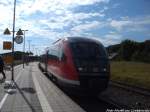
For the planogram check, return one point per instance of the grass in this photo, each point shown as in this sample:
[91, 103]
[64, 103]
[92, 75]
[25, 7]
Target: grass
[133, 73]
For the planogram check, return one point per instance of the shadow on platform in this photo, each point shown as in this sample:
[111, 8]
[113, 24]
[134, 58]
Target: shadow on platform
[30, 90]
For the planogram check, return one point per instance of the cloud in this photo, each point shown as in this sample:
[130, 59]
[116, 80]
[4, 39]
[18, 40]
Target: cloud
[83, 2]
[81, 16]
[131, 24]
[144, 20]
[104, 9]
[69, 19]
[116, 5]
[109, 39]
[119, 24]
[112, 38]
[86, 26]
[29, 7]
[6, 15]
[53, 19]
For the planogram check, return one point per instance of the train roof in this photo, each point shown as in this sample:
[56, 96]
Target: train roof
[82, 39]
[78, 39]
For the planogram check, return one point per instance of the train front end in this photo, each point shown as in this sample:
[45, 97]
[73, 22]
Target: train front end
[91, 63]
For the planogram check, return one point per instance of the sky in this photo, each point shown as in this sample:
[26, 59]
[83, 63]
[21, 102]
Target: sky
[109, 21]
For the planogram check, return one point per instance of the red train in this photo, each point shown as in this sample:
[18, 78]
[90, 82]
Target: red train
[78, 64]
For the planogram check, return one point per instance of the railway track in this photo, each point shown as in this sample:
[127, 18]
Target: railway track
[94, 104]
[97, 104]
[135, 89]
[111, 102]
[126, 97]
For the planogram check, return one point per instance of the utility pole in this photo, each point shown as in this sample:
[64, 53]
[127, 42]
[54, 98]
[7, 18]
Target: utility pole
[36, 50]
[33, 48]
[29, 41]
[14, 17]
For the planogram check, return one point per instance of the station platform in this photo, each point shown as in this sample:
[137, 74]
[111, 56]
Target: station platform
[34, 92]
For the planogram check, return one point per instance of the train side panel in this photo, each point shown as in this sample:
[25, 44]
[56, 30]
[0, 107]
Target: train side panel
[63, 68]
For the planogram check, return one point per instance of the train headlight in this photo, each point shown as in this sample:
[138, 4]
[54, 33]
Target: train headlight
[104, 69]
[80, 69]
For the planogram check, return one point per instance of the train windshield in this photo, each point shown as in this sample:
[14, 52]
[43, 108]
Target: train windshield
[88, 50]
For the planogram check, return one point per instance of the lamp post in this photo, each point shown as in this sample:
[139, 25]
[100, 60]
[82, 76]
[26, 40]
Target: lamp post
[24, 47]
[29, 41]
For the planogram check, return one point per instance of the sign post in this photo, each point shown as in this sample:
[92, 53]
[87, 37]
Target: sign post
[7, 45]
[18, 39]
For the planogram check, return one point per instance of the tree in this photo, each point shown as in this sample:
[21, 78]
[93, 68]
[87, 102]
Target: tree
[127, 49]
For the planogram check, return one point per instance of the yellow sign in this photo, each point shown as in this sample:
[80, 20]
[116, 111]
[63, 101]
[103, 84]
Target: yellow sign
[7, 45]
[8, 59]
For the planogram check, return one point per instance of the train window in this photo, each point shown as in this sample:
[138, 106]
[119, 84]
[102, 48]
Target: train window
[88, 50]
[53, 54]
[61, 55]
[60, 52]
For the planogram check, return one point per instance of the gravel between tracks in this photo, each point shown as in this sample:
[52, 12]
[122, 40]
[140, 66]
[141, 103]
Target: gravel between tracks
[126, 98]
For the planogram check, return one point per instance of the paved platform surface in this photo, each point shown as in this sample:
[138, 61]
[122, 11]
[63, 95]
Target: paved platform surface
[34, 93]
